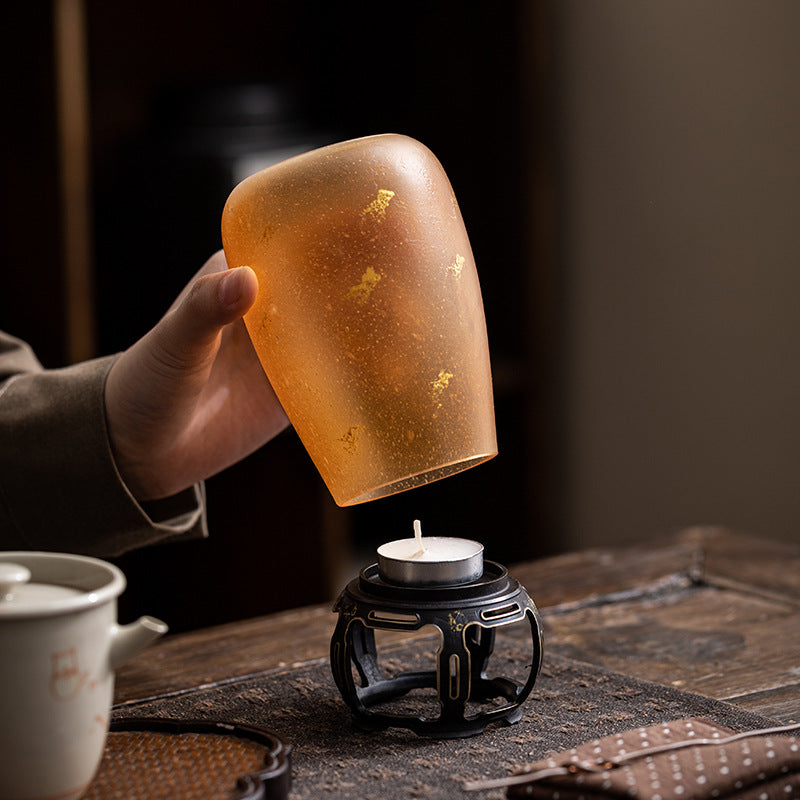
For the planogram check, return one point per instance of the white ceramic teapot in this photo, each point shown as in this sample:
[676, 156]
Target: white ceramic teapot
[59, 646]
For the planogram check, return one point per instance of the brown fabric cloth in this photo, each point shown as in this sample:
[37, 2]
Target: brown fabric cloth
[628, 765]
[59, 485]
[571, 703]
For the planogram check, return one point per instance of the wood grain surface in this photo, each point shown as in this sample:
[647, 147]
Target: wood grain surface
[706, 610]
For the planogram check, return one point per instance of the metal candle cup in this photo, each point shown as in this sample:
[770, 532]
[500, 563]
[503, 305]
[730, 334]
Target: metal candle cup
[442, 561]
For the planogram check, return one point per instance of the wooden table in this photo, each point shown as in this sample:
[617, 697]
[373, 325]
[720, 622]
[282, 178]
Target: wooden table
[707, 610]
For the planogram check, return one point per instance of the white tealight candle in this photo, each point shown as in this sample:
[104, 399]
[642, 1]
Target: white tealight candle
[430, 561]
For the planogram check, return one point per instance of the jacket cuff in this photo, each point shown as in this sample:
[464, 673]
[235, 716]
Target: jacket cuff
[58, 480]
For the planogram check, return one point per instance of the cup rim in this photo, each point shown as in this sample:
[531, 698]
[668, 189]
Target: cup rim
[99, 582]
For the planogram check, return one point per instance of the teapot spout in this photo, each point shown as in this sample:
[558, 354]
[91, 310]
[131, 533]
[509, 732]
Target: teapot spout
[128, 640]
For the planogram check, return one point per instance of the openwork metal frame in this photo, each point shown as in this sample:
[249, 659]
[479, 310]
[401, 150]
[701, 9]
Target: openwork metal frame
[467, 617]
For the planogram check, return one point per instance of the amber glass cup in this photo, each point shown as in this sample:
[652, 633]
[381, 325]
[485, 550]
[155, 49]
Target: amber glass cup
[369, 321]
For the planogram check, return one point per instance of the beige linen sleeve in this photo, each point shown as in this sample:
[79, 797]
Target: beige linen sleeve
[59, 487]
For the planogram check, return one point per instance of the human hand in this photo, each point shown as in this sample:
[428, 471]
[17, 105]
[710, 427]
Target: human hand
[190, 398]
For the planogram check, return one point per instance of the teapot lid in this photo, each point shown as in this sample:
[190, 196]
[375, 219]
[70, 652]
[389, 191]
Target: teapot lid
[38, 584]
[17, 591]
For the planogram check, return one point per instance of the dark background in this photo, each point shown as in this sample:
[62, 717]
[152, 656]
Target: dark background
[628, 174]
[178, 95]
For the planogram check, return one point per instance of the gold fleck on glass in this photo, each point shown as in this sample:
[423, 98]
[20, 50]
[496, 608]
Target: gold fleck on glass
[369, 320]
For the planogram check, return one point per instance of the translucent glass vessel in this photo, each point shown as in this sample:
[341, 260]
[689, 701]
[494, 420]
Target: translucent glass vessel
[369, 321]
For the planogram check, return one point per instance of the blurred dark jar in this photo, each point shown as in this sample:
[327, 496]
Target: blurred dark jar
[158, 205]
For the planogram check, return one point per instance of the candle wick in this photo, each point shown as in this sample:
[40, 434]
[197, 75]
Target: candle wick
[418, 537]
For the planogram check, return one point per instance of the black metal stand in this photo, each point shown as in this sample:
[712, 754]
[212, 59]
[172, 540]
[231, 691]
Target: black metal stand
[466, 616]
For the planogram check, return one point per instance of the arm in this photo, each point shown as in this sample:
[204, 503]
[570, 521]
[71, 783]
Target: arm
[59, 485]
[110, 454]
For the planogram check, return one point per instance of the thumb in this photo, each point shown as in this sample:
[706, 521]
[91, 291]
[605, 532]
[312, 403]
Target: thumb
[190, 331]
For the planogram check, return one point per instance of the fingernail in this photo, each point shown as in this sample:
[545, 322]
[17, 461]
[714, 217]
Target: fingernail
[230, 287]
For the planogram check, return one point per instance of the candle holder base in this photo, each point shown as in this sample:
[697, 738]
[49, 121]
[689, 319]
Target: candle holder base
[466, 617]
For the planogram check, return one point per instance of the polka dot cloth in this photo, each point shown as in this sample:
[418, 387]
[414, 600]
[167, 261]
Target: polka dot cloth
[764, 767]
